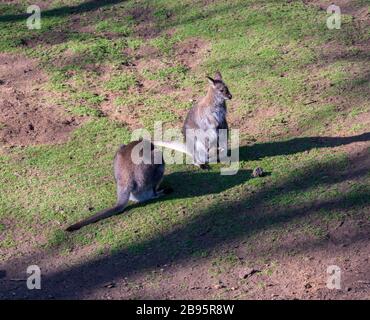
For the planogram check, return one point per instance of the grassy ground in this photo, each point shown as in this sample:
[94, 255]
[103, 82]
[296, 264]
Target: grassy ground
[301, 103]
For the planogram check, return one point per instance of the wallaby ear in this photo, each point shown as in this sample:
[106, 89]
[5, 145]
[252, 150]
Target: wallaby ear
[218, 76]
[211, 81]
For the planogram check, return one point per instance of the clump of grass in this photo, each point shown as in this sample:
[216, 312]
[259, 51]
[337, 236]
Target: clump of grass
[119, 101]
[89, 98]
[165, 44]
[82, 110]
[121, 82]
[56, 238]
[122, 28]
[176, 73]
[134, 43]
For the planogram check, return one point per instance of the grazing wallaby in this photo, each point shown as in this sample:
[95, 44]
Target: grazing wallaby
[136, 182]
[208, 115]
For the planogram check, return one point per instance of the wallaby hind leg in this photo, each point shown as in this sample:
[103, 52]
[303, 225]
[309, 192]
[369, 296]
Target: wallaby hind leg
[142, 196]
[122, 195]
[201, 155]
[149, 194]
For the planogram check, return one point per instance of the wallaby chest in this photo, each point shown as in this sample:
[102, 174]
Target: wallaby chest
[213, 117]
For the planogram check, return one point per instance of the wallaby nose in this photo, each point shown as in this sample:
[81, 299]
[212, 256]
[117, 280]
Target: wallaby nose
[230, 96]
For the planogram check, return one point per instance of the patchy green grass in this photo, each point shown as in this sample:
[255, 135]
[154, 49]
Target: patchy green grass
[119, 27]
[174, 74]
[120, 82]
[271, 55]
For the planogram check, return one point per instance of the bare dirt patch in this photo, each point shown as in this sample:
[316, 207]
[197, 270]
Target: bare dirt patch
[27, 116]
[191, 52]
[147, 51]
[146, 27]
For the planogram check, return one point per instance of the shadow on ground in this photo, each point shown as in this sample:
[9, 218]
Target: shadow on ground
[64, 11]
[209, 228]
[296, 145]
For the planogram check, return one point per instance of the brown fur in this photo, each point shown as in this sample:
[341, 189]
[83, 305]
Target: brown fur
[210, 112]
[138, 182]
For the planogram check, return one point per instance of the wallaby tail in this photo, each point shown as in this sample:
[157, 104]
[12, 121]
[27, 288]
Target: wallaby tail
[174, 145]
[123, 196]
[97, 217]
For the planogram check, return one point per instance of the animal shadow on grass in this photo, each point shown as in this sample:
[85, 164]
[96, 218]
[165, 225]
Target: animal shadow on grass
[296, 145]
[189, 184]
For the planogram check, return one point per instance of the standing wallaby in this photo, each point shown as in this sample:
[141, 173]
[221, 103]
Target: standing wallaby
[208, 115]
[136, 182]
